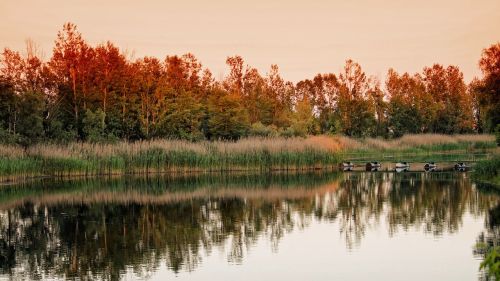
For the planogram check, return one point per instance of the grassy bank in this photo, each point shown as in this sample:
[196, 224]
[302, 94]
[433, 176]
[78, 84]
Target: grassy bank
[164, 156]
[317, 152]
[488, 171]
[420, 148]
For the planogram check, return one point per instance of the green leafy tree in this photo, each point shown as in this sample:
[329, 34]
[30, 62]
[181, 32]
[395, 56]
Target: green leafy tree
[227, 118]
[403, 119]
[304, 122]
[8, 112]
[31, 127]
[94, 126]
[181, 119]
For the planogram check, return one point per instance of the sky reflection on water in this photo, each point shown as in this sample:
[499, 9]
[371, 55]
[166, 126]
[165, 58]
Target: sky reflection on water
[353, 226]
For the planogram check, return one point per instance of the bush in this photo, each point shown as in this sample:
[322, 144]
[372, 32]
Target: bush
[260, 130]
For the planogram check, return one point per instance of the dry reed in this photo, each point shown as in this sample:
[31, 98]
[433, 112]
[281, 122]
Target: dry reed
[177, 155]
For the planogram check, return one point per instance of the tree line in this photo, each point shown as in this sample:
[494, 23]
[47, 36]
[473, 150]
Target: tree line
[99, 93]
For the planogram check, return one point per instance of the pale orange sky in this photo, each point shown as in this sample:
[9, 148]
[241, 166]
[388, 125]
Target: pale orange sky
[303, 37]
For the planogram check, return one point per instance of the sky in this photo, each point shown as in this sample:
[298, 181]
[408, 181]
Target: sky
[302, 37]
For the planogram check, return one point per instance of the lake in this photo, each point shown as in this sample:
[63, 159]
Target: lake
[279, 226]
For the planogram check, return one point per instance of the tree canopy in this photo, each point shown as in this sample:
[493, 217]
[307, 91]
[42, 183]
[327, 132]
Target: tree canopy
[98, 93]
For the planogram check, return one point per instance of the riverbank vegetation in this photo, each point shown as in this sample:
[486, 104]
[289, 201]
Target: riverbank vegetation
[264, 154]
[488, 171]
[101, 94]
[91, 110]
[165, 156]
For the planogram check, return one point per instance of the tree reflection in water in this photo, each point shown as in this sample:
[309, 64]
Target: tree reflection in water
[101, 228]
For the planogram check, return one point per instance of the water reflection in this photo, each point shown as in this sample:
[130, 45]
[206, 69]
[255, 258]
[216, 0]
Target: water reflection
[97, 229]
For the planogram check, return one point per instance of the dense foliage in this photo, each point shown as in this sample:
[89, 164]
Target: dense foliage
[97, 93]
[488, 171]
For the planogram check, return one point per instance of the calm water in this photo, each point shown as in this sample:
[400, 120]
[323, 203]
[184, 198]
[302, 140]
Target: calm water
[350, 226]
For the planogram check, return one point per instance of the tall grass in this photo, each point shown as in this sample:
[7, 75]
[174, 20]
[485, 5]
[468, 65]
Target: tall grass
[488, 171]
[165, 155]
[315, 152]
[421, 147]
[424, 141]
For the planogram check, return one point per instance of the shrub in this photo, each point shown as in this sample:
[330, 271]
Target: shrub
[260, 130]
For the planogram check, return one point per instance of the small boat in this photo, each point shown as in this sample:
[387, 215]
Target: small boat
[371, 165]
[430, 166]
[403, 169]
[347, 164]
[402, 165]
[461, 167]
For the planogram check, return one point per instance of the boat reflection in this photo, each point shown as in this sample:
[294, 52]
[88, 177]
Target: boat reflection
[96, 229]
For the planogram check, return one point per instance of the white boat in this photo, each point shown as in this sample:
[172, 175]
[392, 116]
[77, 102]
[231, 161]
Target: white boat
[347, 164]
[404, 169]
[461, 167]
[402, 165]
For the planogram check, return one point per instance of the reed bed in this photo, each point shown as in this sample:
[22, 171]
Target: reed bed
[425, 141]
[421, 147]
[165, 156]
[488, 171]
[315, 152]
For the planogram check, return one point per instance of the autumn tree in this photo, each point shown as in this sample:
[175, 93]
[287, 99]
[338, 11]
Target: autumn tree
[69, 65]
[403, 111]
[148, 75]
[446, 87]
[281, 92]
[23, 99]
[227, 118]
[109, 67]
[100, 93]
[489, 89]
[234, 81]
[355, 109]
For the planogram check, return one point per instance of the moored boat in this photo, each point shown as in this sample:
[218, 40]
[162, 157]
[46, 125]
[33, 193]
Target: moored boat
[461, 167]
[373, 166]
[402, 165]
[430, 166]
[403, 169]
[347, 166]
